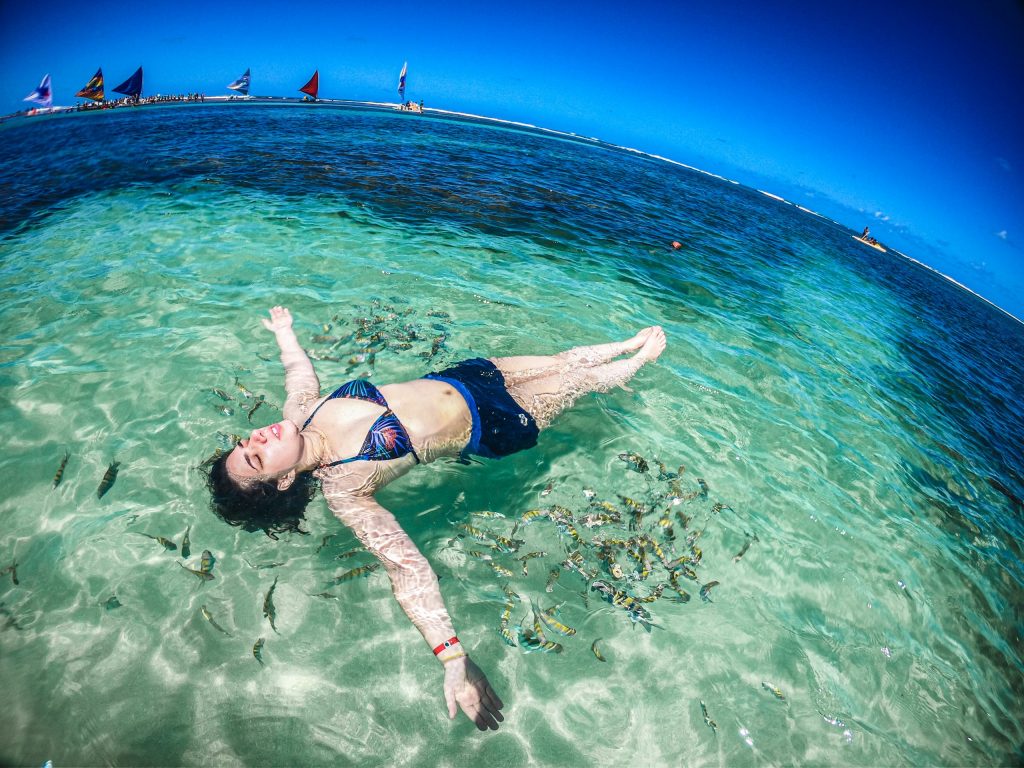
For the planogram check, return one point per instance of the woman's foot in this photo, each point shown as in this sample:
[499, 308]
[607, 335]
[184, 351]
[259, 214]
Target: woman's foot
[653, 344]
[632, 345]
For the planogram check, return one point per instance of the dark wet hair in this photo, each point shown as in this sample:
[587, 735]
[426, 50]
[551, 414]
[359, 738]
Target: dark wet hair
[260, 506]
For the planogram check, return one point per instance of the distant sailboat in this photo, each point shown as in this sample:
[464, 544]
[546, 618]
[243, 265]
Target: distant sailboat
[132, 86]
[401, 81]
[94, 88]
[241, 84]
[313, 86]
[43, 95]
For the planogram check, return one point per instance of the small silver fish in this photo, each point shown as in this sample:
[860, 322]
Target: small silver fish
[510, 593]
[202, 575]
[775, 691]
[269, 612]
[635, 461]
[169, 545]
[704, 590]
[487, 513]
[552, 578]
[743, 550]
[526, 558]
[707, 719]
[355, 573]
[186, 544]
[209, 617]
[256, 407]
[245, 392]
[350, 553]
[262, 566]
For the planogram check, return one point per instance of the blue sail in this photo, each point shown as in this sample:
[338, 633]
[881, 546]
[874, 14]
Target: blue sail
[132, 86]
[241, 84]
[43, 95]
[401, 80]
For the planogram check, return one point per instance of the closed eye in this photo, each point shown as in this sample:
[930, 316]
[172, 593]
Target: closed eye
[248, 460]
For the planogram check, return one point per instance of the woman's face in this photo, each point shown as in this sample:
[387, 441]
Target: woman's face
[268, 453]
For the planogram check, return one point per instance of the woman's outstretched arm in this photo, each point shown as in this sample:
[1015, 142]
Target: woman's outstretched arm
[415, 587]
[300, 380]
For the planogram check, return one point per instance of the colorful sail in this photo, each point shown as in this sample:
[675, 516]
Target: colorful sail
[43, 95]
[241, 84]
[94, 88]
[313, 86]
[132, 86]
[401, 81]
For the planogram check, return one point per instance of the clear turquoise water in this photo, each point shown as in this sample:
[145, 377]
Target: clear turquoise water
[858, 414]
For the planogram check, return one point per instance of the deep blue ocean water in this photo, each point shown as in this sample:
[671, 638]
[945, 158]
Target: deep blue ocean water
[852, 416]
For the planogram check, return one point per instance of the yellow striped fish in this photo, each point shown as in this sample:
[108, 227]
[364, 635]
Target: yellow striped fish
[355, 573]
[60, 470]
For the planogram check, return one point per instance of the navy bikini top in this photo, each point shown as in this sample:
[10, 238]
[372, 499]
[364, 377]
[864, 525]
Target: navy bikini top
[387, 438]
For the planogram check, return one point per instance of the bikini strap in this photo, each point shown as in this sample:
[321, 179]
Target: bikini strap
[357, 389]
[306, 423]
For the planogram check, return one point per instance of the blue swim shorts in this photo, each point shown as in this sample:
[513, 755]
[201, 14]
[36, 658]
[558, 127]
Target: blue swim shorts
[500, 426]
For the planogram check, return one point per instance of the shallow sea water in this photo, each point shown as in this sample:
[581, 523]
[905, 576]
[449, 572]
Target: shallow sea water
[855, 412]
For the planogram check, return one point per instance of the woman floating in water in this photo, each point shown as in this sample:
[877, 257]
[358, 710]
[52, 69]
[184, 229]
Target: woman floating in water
[360, 438]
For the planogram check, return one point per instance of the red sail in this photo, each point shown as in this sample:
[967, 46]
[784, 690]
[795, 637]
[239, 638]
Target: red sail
[313, 85]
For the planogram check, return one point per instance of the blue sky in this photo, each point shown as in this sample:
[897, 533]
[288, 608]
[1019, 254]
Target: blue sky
[908, 117]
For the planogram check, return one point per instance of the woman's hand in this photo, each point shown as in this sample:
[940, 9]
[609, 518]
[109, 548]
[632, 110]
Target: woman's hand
[280, 319]
[467, 686]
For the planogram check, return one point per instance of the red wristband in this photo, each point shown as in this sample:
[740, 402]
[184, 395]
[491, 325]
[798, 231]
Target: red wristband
[446, 644]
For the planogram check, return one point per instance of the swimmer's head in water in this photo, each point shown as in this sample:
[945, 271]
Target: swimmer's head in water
[268, 455]
[258, 502]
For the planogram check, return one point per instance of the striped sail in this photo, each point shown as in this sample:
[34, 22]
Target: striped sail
[94, 88]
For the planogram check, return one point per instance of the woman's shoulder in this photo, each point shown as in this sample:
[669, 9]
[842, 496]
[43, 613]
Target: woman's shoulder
[300, 404]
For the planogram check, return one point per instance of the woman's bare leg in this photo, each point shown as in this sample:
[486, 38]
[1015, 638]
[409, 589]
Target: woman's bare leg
[554, 383]
[542, 365]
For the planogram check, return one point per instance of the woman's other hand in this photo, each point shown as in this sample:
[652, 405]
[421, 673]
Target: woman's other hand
[280, 319]
[466, 686]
